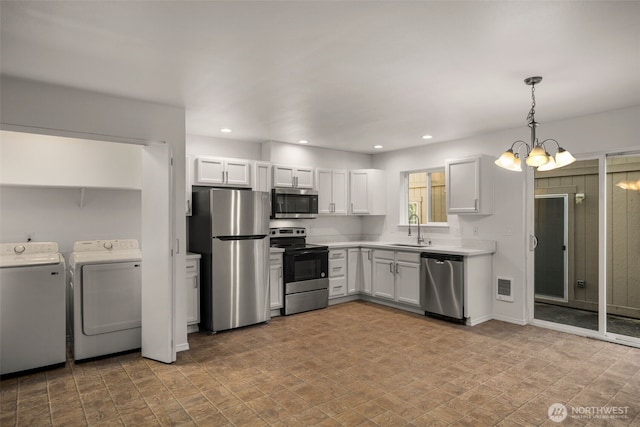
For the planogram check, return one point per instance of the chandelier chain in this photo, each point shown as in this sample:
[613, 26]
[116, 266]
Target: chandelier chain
[532, 112]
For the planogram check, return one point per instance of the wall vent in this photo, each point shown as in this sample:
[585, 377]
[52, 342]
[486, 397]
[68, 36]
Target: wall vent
[504, 290]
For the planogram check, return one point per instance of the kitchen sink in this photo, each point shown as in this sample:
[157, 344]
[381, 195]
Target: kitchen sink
[409, 245]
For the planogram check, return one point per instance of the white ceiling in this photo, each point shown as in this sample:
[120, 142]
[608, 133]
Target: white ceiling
[344, 75]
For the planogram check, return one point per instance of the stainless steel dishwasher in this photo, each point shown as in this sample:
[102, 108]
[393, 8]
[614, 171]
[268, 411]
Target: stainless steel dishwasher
[442, 285]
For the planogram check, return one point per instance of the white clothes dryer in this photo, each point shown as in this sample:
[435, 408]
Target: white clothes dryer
[105, 286]
[32, 306]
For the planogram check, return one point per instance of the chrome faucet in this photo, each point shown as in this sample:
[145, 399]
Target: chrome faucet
[420, 238]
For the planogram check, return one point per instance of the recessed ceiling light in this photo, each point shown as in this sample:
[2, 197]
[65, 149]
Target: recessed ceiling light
[377, 147]
[225, 130]
[303, 141]
[426, 137]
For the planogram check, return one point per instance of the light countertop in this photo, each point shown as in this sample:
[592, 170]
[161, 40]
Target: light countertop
[435, 248]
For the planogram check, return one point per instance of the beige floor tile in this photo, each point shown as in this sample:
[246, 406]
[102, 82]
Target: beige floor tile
[374, 366]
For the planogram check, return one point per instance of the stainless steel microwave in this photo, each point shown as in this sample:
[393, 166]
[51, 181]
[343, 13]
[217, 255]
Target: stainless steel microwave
[293, 203]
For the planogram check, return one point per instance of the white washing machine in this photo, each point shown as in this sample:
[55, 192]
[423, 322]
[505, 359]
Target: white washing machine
[105, 286]
[32, 306]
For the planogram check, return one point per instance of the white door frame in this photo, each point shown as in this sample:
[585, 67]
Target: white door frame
[565, 239]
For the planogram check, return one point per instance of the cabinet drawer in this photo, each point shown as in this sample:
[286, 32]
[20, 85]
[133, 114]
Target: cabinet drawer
[337, 267]
[408, 257]
[275, 259]
[192, 265]
[337, 254]
[337, 287]
[382, 254]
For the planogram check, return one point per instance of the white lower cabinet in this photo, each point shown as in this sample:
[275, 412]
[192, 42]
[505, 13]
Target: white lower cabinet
[353, 271]
[275, 281]
[396, 276]
[193, 291]
[366, 261]
[408, 278]
[384, 274]
[337, 273]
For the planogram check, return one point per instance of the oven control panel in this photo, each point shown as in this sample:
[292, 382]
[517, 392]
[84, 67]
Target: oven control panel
[288, 232]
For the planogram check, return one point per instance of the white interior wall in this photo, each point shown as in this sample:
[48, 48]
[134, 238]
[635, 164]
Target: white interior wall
[199, 145]
[55, 215]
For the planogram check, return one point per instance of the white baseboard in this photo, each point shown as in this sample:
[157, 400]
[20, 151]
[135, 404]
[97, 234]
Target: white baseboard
[508, 319]
[479, 320]
[182, 347]
[340, 300]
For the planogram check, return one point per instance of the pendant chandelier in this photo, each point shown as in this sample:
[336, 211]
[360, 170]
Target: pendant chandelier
[536, 154]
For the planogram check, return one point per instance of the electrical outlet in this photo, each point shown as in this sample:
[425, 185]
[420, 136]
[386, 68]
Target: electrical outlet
[581, 283]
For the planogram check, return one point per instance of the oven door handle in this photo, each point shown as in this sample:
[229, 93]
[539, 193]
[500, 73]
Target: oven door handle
[311, 251]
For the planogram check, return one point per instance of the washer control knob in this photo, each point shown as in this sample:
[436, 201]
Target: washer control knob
[19, 249]
[108, 245]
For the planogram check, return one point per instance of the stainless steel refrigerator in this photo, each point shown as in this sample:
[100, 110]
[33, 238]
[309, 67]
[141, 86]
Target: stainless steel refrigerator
[230, 228]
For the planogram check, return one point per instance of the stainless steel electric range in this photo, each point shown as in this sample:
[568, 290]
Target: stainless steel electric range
[306, 270]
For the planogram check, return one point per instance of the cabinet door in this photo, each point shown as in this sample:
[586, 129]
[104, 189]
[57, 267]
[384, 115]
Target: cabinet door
[188, 181]
[325, 201]
[283, 176]
[210, 171]
[353, 272]
[193, 294]
[463, 186]
[262, 177]
[275, 285]
[408, 283]
[237, 173]
[383, 278]
[359, 193]
[339, 192]
[304, 177]
[366, 262]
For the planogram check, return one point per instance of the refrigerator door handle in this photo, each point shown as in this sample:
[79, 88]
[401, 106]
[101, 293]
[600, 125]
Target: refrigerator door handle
[230, 238]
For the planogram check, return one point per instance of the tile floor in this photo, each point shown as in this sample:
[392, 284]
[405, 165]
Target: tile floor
[355, 364]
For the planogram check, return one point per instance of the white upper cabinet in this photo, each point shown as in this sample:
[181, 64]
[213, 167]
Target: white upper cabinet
[367, 192]
[332, 191]
[469, 184]
[292, 176]
[217, 171]
[262, 176]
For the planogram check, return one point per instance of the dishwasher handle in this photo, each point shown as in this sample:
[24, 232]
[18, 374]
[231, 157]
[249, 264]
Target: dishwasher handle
[442, 257]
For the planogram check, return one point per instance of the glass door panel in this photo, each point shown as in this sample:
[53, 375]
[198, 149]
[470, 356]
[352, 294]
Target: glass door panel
[623, 245]
[566, 268]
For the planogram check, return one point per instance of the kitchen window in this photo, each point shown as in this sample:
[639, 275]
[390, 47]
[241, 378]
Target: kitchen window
[423, 194]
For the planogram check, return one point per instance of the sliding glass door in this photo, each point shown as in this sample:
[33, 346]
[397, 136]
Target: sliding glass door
[566, 216]
[623, 245]
[586, 266]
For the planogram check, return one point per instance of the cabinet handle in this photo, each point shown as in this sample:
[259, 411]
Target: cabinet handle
[391, 267]
[195, 284]
[397, 268]
[369, 255]
[190, 266]
[280, 271]
[351, 207]
[227, 176]
[337, 268]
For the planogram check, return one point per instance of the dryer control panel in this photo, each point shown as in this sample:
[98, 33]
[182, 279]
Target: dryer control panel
[105, 245]
[27, 248]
